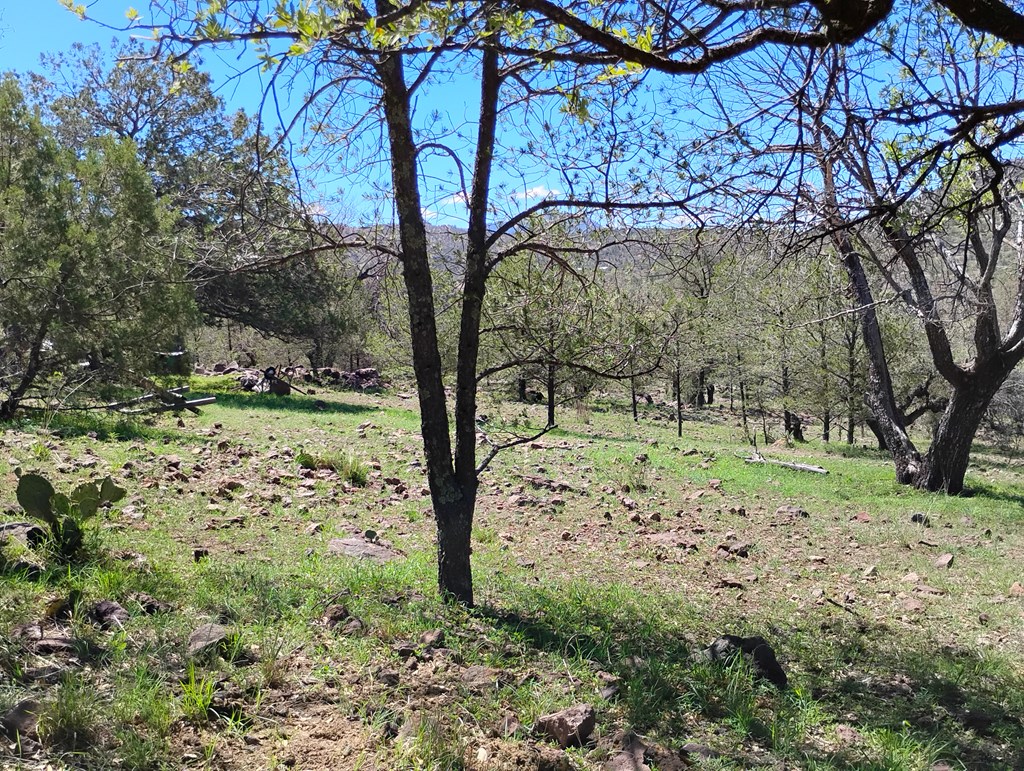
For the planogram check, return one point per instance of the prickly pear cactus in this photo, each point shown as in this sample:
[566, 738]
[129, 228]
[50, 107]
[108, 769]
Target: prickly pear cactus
[35, 495]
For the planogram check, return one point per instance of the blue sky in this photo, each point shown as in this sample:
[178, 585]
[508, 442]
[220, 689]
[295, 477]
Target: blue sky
[29, 29]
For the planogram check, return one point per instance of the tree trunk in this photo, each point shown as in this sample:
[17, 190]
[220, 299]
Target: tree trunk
[521, 389]
[679, 402]
[453, 502]
[826, 426]
[945, 464]
[552, 369]
[632, 394]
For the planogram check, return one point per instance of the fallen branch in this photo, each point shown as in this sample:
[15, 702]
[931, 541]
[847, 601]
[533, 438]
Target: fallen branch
[757, 457]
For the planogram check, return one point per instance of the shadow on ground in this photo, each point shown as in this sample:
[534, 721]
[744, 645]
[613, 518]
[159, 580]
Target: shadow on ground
[293, 403]
[881, 700]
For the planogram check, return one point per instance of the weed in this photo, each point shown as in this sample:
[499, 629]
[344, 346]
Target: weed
[69, 719]
[197, 696]
[347, 466]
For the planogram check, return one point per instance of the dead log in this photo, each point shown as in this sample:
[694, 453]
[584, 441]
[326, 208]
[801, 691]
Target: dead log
[759, 458]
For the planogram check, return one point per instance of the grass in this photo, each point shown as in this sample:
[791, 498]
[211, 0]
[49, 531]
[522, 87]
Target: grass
[573, 595]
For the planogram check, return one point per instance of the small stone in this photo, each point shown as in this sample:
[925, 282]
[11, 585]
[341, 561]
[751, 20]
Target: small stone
[334, 615]
[944, 561]
[108, 613]
[480, 678]
[911, 578]
[1017, 590]
[432, 638]
[566, 535]
[20, 720]
[794, 512]
[569, 727]
[313, 528]
[870, 572]
[207, 639]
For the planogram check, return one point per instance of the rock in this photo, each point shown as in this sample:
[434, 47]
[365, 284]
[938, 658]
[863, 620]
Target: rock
[44, 641]
[20, 721]
[631, 753]
[208, 638]
[793, 512]
[108, 613]
[151, 605]
[432, 638]
[861, 516]
[1017, 590]
[569, 727]
[28, 533]
[313, 528]
[912, 605]
[699, 750]
[480, 678]
[755, 649]
[944, 561]
[870, 572]
[362, 549]
[334, 615]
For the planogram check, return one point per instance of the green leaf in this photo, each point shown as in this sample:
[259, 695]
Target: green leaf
[34, 494]
[110, 492]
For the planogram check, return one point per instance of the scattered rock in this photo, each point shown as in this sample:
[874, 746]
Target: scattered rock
[570, 727]
[480, 678]
[44, 641]
[944, 561]
[108, 613]
[151, 605]
[792, 512]
[334, 615]
[208, 638]
[27, 532]
[755, 649]
[20, 721]
[360, 548]
[432, 638]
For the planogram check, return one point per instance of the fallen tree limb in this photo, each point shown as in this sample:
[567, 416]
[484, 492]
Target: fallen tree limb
[757, 457]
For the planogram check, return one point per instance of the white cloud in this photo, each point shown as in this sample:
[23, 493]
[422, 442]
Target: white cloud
[429, 214]
[538, 191]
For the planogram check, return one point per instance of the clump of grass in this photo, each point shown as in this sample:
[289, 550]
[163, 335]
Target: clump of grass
[350, 468]
[197, 696]
[70, 718]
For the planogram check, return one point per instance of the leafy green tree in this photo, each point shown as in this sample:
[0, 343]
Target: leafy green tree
[87, 285]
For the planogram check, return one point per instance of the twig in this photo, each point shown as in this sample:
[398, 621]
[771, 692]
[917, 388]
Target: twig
[496, 448]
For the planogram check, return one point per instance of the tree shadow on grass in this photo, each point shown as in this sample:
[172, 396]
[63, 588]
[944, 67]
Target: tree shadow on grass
[907, 699]
[293, 403]
[1000, 493]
